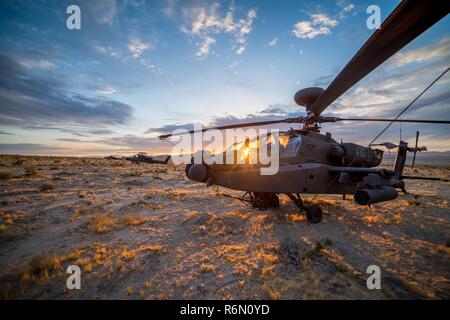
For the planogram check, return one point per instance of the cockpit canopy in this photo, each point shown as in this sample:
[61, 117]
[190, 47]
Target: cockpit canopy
[289, 145]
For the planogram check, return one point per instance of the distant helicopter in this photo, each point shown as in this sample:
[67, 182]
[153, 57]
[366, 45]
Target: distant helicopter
[314, 163]
[143, 157]
[114, 157]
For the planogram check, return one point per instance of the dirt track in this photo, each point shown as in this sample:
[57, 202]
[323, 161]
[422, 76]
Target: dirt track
[146, 232]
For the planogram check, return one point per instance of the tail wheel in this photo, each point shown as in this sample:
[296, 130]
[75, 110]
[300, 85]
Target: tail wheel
[314, 214]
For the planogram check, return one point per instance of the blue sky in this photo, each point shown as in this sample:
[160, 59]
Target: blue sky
[138, 68]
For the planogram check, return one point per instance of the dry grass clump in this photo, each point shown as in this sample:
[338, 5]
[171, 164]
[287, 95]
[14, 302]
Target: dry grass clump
[206, 267]
[318, 248]
[102, 255]
[131, 174]
[86, 264]
[151, 247]
[270, 292]
[143, 204]
[80, 211]
[128, 254]
[415, 202]
[108, 222]
[39, 268]
[46, 187]
[297, 217]
[30, 170]
[103, 223]
[9, 217]
[6, 174]
[18, 161]
[133, 220]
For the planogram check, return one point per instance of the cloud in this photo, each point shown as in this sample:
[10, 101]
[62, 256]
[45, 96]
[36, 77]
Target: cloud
[322, 24]
[28, 148]
[323, 81]
[33, 100]
[393, 87]
[147, 63]
[37, 64]
[106, 90]
[127, 144]
[203, 23]
[204, 46]
[104, 11]
[101, 131]
[170, 7]
[137, 47]
[439, 50]
[348, 8]
[382, 95]
[273, 112]
[318, 24]
[243, 28]
[273, 42]
[107, 50]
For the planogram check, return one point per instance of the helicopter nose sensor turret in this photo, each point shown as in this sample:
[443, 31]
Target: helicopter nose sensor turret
[307, 96]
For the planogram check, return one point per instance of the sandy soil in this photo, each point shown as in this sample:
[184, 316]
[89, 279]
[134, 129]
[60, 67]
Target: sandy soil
[147, 232]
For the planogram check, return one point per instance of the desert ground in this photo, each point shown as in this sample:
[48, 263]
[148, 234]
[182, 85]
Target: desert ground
[144, 231]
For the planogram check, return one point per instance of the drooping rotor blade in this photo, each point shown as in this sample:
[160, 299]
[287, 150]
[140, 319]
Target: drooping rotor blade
[387, 145]
[404, 24]
[235, 126]
[415, 150]
[395, 120]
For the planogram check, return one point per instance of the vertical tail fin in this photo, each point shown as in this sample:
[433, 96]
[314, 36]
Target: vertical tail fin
[400, 159]
[415, 150]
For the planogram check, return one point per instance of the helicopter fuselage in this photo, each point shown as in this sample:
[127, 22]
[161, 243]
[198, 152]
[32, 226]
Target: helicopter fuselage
[310, 163]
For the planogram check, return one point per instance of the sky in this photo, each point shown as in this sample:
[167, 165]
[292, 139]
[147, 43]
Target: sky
[137, 69]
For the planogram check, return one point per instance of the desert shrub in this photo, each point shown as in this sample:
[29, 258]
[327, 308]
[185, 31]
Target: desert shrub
[19, 162]
[132, 174]
[46, 187]
[103, 224]
[128, 254]
[30, 170]
[7, 174]
[130, 219]
[204, 267]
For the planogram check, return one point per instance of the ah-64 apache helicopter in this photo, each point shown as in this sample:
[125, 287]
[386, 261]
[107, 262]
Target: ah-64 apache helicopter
[314, 163]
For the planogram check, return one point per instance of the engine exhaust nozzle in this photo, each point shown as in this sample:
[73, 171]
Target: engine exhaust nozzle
[198, 172]
[370, 196]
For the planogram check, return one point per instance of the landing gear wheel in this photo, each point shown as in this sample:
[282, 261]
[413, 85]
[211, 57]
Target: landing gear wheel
[264, 200]
[314, 214]
[186, 170]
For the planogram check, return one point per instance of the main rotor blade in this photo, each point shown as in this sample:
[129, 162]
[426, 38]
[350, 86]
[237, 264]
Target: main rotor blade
[404, 24]
[395, 120]
[231, 126]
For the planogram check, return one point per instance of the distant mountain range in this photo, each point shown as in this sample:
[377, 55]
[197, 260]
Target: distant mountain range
[428, 158]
